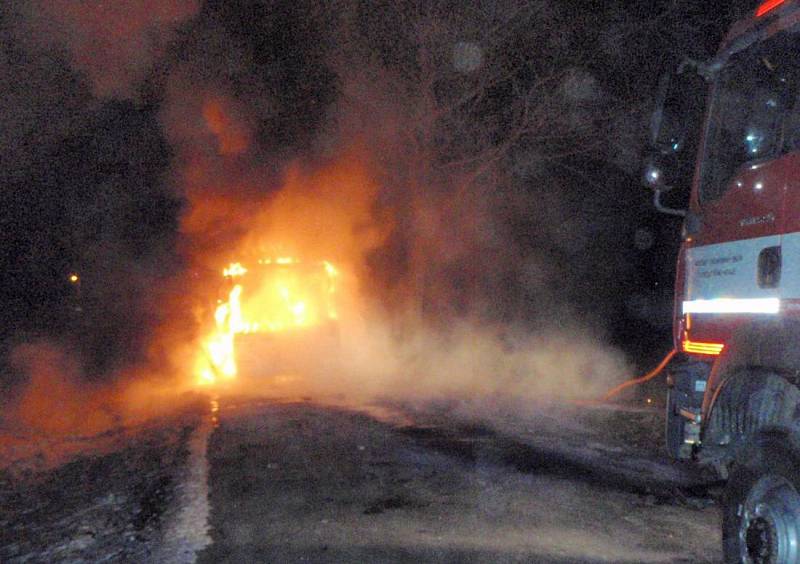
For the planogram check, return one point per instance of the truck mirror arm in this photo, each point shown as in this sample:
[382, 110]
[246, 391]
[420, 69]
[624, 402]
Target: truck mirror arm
[664, 209]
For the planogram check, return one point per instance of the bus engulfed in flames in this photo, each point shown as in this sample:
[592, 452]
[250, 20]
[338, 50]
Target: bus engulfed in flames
[272, 297]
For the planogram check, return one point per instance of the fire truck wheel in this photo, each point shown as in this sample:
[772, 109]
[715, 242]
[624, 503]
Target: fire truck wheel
[761, 506]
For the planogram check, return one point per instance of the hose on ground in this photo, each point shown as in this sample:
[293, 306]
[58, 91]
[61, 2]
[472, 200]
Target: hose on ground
[641, 380]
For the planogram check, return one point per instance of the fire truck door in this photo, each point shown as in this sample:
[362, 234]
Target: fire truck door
[735, 261]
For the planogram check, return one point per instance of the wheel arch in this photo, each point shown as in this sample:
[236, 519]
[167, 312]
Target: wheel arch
[761, 344]
[748, 401]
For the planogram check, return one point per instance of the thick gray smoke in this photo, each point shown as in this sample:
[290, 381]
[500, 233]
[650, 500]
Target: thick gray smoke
[113, 46]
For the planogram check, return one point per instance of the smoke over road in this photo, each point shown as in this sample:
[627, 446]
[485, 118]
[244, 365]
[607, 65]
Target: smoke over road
[384, 139]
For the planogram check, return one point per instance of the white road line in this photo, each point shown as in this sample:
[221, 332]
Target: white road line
[187, 532]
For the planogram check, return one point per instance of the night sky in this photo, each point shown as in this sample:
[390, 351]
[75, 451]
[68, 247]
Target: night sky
[93, 127]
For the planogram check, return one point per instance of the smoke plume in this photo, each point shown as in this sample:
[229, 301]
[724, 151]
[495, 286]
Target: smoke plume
[113, 44]
[384, 144]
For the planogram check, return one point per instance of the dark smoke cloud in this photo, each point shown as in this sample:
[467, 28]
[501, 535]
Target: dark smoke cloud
[113, 45]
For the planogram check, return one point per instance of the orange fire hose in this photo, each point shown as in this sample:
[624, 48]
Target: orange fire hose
[641, 380]
[625, 385]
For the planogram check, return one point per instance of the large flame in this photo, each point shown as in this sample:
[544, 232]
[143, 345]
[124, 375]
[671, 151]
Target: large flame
[282, 294]
[298, 259]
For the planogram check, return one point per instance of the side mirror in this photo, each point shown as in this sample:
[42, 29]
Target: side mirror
[678, 107]
[665, 132]
[674, 133]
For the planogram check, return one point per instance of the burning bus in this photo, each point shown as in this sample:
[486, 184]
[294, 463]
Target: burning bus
[269, 314]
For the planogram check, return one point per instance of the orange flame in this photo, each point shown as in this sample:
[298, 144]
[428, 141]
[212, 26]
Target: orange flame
[318, 213]
[284, 294]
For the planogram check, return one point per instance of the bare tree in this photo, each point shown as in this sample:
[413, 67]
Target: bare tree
[452, 97]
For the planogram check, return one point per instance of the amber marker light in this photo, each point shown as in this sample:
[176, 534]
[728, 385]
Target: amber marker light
[694, 347]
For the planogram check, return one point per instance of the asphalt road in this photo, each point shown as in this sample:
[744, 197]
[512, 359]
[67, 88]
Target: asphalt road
[306, 482]
[258, 480]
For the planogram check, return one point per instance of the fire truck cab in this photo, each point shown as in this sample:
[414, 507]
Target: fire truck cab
[734, 397]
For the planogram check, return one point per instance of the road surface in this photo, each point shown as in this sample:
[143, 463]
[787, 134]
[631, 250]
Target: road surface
[257, 480]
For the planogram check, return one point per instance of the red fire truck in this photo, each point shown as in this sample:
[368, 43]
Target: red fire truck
[734, 399]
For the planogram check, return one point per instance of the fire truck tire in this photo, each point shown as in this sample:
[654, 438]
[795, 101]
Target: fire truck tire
[761, 505]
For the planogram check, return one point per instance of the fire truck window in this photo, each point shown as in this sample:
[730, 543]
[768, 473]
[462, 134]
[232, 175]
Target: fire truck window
[752, 96]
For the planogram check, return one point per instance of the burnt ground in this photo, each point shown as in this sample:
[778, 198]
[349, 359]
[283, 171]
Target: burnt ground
[307, 482]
